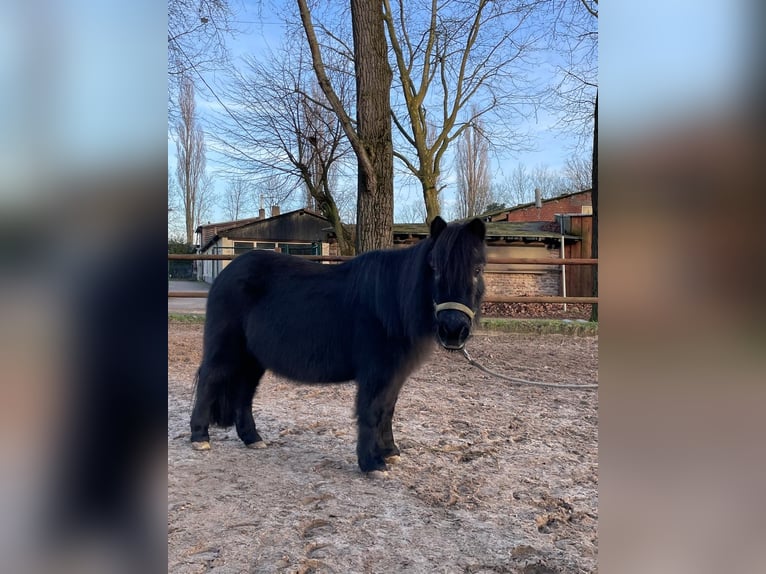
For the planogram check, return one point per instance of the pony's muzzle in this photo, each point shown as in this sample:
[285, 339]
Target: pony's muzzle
[453, 340]
[453, 328]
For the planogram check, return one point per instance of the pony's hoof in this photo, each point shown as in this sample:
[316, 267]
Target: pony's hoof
[201, 445]
[257, 444]
[377, 474]
[393, 459]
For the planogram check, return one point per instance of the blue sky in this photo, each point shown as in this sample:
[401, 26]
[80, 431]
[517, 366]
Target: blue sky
[260, 29]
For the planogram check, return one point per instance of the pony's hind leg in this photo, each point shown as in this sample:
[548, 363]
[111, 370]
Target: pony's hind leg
[222, 386]
[243, 418]
[205, 394]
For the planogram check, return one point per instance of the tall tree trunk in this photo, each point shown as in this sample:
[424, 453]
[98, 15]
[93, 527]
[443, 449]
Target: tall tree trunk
[594, 195]
[190, 147]
[375, 186]
[431, 197]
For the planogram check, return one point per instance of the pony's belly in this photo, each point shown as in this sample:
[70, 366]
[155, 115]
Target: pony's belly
[316, 373]
[304, 377]
[306, 365]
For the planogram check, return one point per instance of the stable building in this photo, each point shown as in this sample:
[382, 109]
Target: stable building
[300, 232]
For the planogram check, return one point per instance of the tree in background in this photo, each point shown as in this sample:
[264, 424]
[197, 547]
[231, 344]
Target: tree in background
[550, 182]
[519, 187]
[194, 186]
[323, 145]
[578, 173]
[271, 190]
[279, 126]
[575, 37]
[197, 34]
[237, 199]
[176, 227]
[412, 212]
[370, 135]
[472, 167]
[450, 54]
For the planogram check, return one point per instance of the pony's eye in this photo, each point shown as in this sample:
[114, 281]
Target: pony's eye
[477, 270]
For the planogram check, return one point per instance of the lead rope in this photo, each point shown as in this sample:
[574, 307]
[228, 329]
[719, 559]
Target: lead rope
[481, 367]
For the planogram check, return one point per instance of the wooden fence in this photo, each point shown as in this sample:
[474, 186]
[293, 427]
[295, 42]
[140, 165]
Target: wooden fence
[488, 299]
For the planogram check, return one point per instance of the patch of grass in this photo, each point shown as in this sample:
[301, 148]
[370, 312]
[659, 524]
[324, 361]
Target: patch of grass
[541, 326]
[537, 326]
[188, 318]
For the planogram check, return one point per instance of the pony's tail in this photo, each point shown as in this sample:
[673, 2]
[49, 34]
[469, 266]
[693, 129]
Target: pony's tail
[220, 392]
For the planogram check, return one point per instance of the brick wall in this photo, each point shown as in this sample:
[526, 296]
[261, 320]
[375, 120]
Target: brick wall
[567, 204]
[520, 284]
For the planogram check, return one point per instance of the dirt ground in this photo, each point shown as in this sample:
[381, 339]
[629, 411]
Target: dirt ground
[493, 477]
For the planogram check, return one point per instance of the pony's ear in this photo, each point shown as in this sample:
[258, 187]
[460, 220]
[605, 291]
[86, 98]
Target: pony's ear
[437, 226]
[477, 227]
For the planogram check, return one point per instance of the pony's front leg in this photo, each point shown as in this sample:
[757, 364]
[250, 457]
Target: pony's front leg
[243, 413]
[375, 400]
[389, 450]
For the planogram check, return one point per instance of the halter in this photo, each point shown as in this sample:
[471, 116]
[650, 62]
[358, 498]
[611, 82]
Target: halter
[455, 307]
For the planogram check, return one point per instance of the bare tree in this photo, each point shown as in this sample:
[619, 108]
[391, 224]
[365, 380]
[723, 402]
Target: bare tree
[370, 135]
[197, 34]
[578, 173]
[206, 200]
[472, 166]
[237, 199]
[271, 190]
[450, 54]
[175, 219]
[316, 118]
[412, 212]
[500, 194]
[550, 182]
[323, 144]
[279, 126]
[190, 170]
[519, 188]
[575, 37]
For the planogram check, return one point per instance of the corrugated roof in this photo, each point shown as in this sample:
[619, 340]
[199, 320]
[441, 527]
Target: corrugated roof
[227, 225]
[496, 230]
[529, 204]
[218, 229]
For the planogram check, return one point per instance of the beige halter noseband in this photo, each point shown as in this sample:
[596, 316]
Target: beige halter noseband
[455, 307]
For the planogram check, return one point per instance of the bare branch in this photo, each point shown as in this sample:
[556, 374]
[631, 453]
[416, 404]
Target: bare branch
[332, 97]
[589, 8]
[472, 163]
[197, 35]
[461, 56]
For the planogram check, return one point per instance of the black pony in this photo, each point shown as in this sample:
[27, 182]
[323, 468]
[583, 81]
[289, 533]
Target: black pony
[372, 319]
